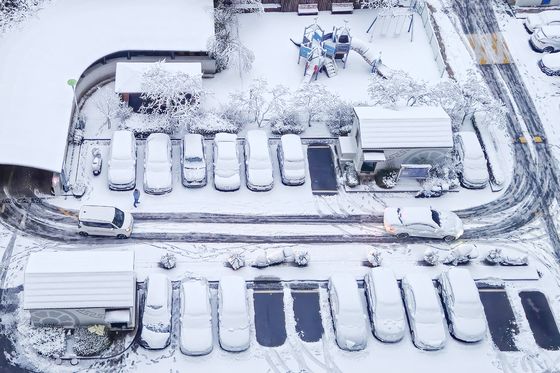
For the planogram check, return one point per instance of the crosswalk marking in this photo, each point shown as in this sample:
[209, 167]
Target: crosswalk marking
[489, 48]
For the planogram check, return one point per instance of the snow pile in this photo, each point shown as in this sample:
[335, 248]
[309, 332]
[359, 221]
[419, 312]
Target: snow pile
[431, 256]
[168, 261]
[91, 341]
[267, 257]
[301, 257]
[374, 257]
[506, 258]
[461, 255]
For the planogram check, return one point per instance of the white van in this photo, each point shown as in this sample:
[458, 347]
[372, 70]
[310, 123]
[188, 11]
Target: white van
[258, 166]
[121, 170]
[104, 221]
[193, 161]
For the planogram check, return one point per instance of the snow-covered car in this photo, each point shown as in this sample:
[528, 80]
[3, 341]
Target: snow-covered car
[156, 319]
[424, 311]
[121, 167]
[158, 178]
[291, 160]
[96, 162]
[474, 171]
[233, 314]
[193, 161]
[550, 64]
[537, 20]
[422, 222]
[258, 166]
[467, 321]
[226, 162]
[96, 220]
[385, 304]
[347, 312]
[196, 318]
[546, 39]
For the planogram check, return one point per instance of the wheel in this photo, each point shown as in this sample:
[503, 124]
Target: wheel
[121, 236]
[402, 235]
[83, 234]
[449, 238]
[548, 50]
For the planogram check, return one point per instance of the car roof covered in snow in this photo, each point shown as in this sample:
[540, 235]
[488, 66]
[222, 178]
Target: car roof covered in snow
[406, 128]
[233, 292]
[55, 52]
[96, 213]
[157, 145]
[385, 283]
[292, 147]
[129, 76]
[471, 143]
[193, 145]
[416, 215]
[258, 142]
[121, 142]
[155, 295]
[464, 287]
[195, 296]
[79, 279]
[423, 289]
[225, 137]
[347, 291]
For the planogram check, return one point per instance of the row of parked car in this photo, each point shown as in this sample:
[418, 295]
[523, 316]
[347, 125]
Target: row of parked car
[467, 321]
[424, 311]
[545, 30]
[158, 162]
[196, 335]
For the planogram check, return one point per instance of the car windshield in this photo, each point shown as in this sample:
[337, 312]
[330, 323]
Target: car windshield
[426, 316]
[293, 165]
[193, 161]
[388, 311]
[158, 328]
[436, 217]
[118, 220]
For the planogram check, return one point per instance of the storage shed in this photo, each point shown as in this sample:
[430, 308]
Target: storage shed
[80, 288]
[409, 138]
[129, 78]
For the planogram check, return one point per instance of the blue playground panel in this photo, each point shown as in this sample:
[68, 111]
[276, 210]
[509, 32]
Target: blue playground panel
[321, 169]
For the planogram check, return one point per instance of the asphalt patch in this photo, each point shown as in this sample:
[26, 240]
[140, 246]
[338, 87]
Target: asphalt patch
[307, 311]
[541, 320]
[322, 170]
[501, 319]
[270, 321]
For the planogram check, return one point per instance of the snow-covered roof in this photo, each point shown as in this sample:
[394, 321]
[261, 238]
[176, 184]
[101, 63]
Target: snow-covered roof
[156, 293]
[408, 127]
[130, 75]
[416, 215]
[60, 43]
[79, 279]
[193, 145]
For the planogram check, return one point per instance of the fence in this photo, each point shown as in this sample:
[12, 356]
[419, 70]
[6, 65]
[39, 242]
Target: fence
[425, 14]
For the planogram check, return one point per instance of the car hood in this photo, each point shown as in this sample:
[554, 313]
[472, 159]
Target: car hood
[389, 329]
[194, 174]
[260, 177]
[391, 217]
[196, 340]
[124, 175]
[430, 336]
[157, 179]
[469, 329]
[452, 224]
[234, 338]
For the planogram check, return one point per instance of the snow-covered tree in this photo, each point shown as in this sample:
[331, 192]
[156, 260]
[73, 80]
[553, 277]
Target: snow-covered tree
[110, 105]
[236, 261]
[13, 12]
[212, 122]
[168, 261]
[375, 257]
[431, 256]
[175, 94]
[340, 118]
[261, 101]
[399, 90]
[287, 121]
[314, 99]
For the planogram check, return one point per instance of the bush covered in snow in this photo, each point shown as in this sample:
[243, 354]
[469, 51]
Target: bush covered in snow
[142, 126]
[301, 257]
[374, 257]
[287, 122]
[340, 118]
[91, 341]
[387, 178]
[47, 341]
[14, 11]
[263, 258]
[210, 123]
[431, 256]
[314, 100]
[236, 261]
[168, 261]
[351, 177]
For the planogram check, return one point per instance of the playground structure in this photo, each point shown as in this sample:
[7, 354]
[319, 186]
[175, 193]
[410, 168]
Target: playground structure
[321, 52]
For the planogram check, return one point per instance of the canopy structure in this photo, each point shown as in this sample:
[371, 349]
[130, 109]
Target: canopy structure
[404, 128]
[59, 44]
[79, 279]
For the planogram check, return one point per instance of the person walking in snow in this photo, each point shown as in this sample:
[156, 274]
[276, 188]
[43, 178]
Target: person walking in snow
[136, 197]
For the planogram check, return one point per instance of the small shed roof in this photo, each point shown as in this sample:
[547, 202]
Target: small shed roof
[129, 75]
[405, 128]
[79, 279]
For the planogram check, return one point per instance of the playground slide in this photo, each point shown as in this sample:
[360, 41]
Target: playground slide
[371, 57]
[309, 73]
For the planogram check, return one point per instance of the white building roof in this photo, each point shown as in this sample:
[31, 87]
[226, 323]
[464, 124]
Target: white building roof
[405, 128]
[59, 43]
[130, 75]
[79, 279]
